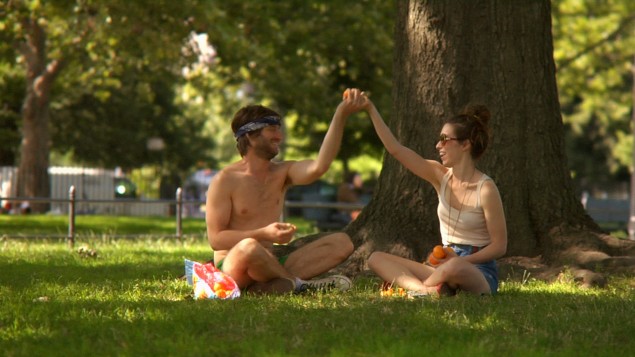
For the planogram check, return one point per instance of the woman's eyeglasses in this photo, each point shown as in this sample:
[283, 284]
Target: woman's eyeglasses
[444, 139]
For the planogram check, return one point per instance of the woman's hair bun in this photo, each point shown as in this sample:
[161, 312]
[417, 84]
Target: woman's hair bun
[479, 112]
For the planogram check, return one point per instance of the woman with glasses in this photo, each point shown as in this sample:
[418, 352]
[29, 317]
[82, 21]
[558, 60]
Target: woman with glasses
[470, 211]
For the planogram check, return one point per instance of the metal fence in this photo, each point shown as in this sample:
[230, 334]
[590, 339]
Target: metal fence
[179, 208]
[74, 206]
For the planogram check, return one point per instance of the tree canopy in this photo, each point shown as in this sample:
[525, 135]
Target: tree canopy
[122, 81]
[593, 42]
[116, 63]
[445, 63]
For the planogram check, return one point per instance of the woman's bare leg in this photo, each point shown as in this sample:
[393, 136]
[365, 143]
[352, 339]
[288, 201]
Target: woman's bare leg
[406, 273]
[459, 274]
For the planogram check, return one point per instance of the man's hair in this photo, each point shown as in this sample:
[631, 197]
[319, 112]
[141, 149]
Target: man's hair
[247, 115]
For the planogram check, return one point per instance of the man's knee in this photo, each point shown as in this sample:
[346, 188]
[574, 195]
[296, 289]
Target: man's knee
[341, 244]
[249, 247]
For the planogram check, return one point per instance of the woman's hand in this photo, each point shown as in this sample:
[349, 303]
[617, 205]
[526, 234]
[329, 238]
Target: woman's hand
[440, 255]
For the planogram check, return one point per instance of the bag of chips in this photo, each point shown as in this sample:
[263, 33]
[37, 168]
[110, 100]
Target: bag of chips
[209, 282]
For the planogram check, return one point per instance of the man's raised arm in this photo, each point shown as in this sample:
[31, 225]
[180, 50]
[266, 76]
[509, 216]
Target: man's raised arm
[306, 171]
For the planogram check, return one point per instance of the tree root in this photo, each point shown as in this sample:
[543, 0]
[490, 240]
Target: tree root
[587, 257]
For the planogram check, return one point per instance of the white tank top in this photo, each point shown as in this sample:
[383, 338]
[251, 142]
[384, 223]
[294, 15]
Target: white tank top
[470, 228]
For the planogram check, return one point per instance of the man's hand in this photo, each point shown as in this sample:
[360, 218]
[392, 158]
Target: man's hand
[279, 232]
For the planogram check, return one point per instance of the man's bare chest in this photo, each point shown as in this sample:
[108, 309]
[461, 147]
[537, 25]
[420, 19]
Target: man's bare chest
[258, 202]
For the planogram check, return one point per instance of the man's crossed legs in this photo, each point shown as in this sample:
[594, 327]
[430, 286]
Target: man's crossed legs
[256, 268]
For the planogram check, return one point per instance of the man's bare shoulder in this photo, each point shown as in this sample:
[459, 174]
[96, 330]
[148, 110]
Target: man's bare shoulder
[232, 169]
[282, 165]
[233, 174]
[228, 175]
[281, 168]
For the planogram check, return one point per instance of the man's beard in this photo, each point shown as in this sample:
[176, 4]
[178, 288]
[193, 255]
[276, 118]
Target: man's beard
[265, 150]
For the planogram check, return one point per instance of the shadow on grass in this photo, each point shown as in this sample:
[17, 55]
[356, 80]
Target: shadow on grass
[21, 274]
[129, 302]
[354, 323]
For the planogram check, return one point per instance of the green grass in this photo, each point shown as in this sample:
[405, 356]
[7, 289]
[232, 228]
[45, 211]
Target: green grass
[93, 225]
[127, 301]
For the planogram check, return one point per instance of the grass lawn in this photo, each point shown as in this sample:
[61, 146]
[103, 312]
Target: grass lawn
[39, 226]
[128, 301]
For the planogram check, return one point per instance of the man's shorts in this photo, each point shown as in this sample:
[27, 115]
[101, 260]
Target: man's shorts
[489, 269]
[283, 251]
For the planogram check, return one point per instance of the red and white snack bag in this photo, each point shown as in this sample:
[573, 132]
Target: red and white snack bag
[209, 282]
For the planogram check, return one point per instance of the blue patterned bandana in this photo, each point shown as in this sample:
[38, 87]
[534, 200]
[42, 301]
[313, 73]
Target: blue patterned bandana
[257, 124]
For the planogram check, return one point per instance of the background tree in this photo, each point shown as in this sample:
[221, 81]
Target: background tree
[11, 92]
[301, 55]
[124, 78]
[97, 43]
[109, 65]
[447, 55]
[593, 43]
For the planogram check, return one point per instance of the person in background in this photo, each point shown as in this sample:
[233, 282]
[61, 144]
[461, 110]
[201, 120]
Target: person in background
[350, 191]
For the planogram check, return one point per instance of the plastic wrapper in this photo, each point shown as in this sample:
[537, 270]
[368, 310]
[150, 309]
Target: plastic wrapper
[210, 283]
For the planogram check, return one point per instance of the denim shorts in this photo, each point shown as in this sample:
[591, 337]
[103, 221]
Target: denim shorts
[488, 269]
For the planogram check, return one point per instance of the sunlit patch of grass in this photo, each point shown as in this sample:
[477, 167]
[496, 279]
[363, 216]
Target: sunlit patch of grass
[129, 300]
[107, 227]
[96, 225]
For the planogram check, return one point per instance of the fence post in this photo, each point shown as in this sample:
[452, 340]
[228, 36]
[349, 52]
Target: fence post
[71, 217]
[179, 213]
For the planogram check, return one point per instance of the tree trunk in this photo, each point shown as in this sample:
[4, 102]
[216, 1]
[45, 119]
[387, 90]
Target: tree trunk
[33, 179]
[498, 53]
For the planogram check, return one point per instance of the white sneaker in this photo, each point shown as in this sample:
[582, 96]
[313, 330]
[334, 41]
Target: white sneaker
[339, 282]
[413, 294]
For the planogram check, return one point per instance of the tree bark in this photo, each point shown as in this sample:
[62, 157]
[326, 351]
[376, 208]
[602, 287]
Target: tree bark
[498, 53]
[33, 179]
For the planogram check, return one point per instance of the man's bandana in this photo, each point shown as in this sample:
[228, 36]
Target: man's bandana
[257, 124]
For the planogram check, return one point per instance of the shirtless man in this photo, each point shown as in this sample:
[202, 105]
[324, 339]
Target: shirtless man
[245, 201]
